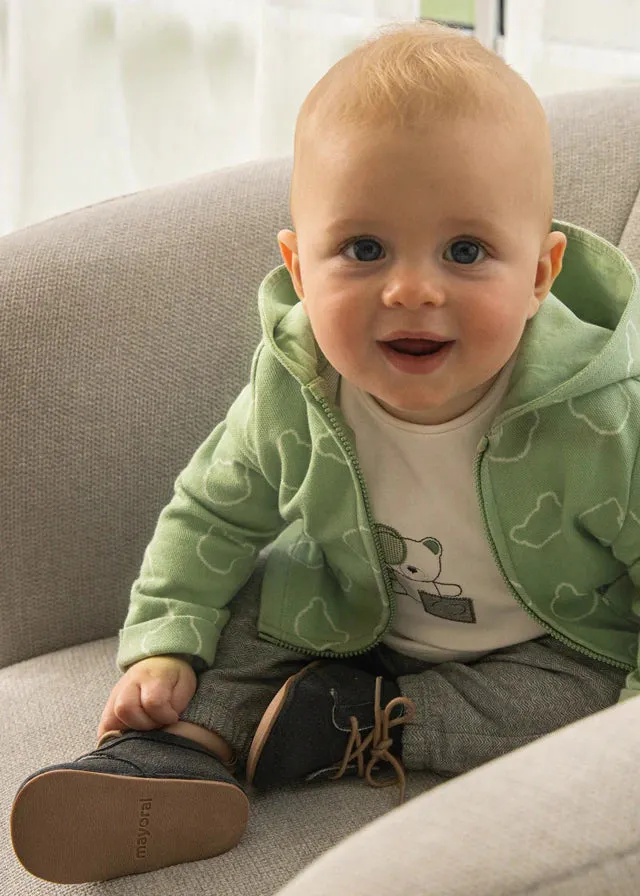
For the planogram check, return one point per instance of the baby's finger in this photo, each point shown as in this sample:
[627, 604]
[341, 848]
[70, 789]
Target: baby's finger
[129, 710]
[155, 700]
[108, 720]
[183, 692]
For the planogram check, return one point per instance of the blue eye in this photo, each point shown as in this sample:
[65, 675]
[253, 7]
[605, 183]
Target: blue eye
[364, 249]
[464, 251]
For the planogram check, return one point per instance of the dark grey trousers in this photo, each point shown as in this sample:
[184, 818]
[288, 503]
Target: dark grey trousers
[467, 713]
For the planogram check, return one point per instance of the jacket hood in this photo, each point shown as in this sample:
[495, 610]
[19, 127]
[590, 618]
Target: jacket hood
[585, 336]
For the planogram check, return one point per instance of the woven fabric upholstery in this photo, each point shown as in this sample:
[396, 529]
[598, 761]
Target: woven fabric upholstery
[126, 329]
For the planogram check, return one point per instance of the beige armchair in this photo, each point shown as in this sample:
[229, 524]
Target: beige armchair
[125, 331]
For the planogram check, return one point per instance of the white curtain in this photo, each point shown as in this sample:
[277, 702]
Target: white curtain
[564, 45]
[103, 97]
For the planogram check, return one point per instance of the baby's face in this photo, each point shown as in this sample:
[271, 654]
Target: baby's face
[417, 257]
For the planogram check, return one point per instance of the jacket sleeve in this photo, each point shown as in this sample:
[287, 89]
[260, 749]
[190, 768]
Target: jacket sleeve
[627, 549]
[205, 545]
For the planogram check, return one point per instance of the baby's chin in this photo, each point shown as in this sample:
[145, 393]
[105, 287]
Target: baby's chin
[417, 413]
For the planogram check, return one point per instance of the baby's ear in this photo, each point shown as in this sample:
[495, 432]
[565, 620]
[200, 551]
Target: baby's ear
[549, 266]
[288, 242]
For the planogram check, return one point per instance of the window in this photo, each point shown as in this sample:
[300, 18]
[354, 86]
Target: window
[450, 12]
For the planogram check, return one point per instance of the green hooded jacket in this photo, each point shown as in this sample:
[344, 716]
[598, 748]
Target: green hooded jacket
[557, 473]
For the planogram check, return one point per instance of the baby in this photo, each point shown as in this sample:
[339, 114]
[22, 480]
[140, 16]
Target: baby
[440, 455]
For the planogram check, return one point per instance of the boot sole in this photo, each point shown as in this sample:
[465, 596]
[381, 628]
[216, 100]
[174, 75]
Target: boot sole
[269, 719]
[71, 826]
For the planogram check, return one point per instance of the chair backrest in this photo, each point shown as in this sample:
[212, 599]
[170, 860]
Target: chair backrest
[126, 329]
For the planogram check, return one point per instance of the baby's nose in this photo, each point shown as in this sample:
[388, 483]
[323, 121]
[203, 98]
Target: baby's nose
[412, 289]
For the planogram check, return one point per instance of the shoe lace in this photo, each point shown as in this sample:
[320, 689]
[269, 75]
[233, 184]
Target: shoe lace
[379, 742]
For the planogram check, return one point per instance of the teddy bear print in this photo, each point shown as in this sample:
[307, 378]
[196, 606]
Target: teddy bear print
[415, 566]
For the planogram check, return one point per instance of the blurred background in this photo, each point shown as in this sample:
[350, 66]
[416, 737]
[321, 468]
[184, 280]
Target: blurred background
[104, 97]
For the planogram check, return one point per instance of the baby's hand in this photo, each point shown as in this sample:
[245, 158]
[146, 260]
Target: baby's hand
[152, 693]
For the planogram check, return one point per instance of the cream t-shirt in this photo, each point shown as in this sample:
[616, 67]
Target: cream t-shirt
[452, 602]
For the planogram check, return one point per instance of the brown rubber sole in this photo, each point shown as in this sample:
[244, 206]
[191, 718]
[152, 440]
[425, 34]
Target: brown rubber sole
[269, 718]
[70, 826]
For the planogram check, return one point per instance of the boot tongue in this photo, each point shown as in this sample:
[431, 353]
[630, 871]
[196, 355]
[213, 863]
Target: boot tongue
[415, 346]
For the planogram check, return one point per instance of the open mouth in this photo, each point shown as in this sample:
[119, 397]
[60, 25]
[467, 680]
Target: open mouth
[416, 355]
[416, 347]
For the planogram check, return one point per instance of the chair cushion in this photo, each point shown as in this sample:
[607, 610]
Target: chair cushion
[53, 704]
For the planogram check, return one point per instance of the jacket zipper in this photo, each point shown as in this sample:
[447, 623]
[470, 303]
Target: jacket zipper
[346, 444]
[541, 622]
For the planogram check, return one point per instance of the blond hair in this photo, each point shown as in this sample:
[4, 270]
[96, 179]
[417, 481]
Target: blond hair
[417, 75]
[404, 72]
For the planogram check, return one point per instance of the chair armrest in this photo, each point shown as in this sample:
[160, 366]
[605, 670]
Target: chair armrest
[558, 817]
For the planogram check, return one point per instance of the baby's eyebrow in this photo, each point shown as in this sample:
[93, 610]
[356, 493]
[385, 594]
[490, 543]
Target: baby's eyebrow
[484, 229]
[350, 225]
[474, 225]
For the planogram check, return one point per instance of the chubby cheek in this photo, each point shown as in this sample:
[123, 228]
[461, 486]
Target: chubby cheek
[339, 329]
[495, 324]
